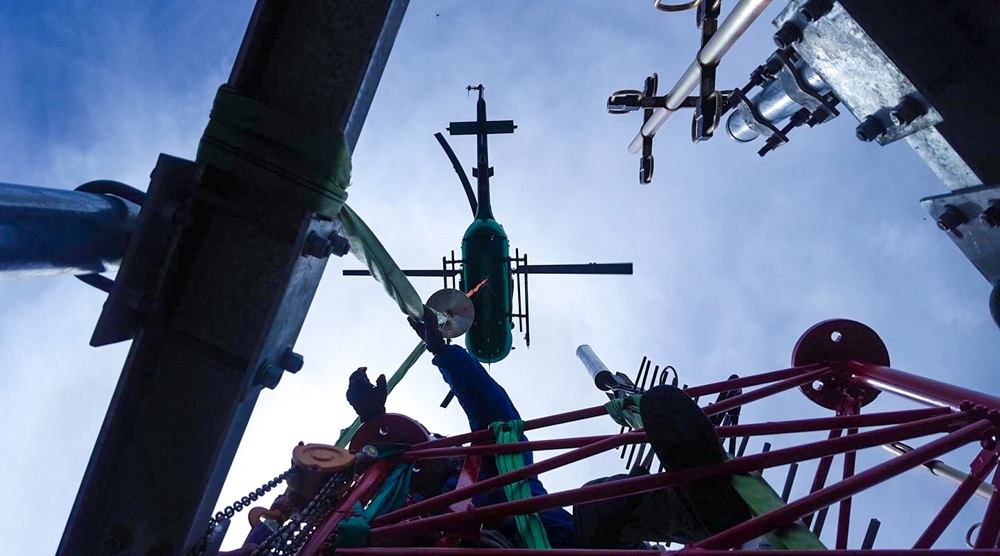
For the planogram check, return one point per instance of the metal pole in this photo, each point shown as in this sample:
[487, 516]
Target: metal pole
[54, 231]
[762, 524]
[981, 467]
[921, 389]
[754, 380]
[736, 23]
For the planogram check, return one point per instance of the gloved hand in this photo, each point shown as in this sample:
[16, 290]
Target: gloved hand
[428, 331]
[368, 401]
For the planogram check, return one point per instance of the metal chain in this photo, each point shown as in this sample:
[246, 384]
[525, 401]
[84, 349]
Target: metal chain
[229, 511]
[294, 534]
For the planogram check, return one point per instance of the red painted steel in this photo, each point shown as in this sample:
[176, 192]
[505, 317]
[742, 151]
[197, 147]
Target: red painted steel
[453, 551]
[987, 537]
[758, 526]
[747, 381]
[849, 407]
[764, 391]
[541, 422]
[468, 476]
[392, 533]
[493, 483]
[633, 437]
[364, 489]
[920, 388]
[823, 469]
[980, 468]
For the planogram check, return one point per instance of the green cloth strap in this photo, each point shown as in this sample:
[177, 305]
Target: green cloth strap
[280, 159]
[353, 531]
[369, 250]
[304, 162]
[761, 499]
[348, 433]
[625, 411]
[530, 526]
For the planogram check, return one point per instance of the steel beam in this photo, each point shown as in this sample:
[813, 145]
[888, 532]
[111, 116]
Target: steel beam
[226, 305]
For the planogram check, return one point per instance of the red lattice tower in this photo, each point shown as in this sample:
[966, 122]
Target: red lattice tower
[840, 365]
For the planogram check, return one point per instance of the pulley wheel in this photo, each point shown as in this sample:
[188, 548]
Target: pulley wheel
[322, 458]
[457, 310]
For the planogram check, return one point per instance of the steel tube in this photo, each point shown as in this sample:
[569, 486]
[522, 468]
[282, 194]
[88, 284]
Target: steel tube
[731, 431]
[844, 521]
[787, 384]
[941, 469]
[924, 390]
[755, 380]
[828, 423]
[382, 533]
[736, 23]
[487, 436]
[987, 537]
[773, 104]
[829, 495]
[598, 370]
[499, 481]
[464, 551]
[981, 467]
[54, 231]
[365, 489]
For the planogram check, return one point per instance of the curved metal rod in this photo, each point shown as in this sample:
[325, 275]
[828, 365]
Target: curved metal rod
[116, 188]
[676, 7]
[460, 171]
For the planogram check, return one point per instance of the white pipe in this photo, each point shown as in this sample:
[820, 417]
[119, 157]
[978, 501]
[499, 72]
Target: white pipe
[941, 469]
[595, 367]
[736, 23]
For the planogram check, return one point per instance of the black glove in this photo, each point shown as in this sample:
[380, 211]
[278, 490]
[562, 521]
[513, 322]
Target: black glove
[368, 401]
[428, 331]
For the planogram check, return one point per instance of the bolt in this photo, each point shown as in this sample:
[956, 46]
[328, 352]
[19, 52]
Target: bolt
[291, 361]
[787, 35]
[339, 245]
[951, 219]
[869, 129]
[991, 215]
[116, 540]
[906, 111]
[269, 375]
[317, 246]
[815, 9]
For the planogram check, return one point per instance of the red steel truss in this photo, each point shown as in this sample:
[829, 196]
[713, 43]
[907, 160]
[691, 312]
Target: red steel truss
[841, 365]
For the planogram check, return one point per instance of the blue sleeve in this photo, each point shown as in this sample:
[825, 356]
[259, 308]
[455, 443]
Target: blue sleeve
[483, 400]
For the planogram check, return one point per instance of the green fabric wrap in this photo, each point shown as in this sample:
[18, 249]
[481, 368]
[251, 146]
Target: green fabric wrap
[281, 159]
[761, 499]
[369, 250]
[307, 163]
[348, 433]
[530, 526]
[353, 531]
[625, 411]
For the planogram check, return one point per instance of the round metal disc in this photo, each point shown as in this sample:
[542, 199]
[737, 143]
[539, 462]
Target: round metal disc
[457, 310]
[322, 458]
[834, 342]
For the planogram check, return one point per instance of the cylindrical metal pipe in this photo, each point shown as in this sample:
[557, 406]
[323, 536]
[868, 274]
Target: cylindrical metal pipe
[603, 378]
[918, 388]
[941, 469]
[736, 23]
[773, 104]
[55, 231]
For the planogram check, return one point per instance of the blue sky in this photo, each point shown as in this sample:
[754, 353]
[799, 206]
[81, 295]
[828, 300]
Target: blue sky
[735, 256]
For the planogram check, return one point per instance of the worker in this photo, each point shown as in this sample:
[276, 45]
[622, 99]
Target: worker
[484, 402]
[681, 436]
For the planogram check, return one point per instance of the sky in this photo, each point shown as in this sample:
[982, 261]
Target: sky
[735, 256]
